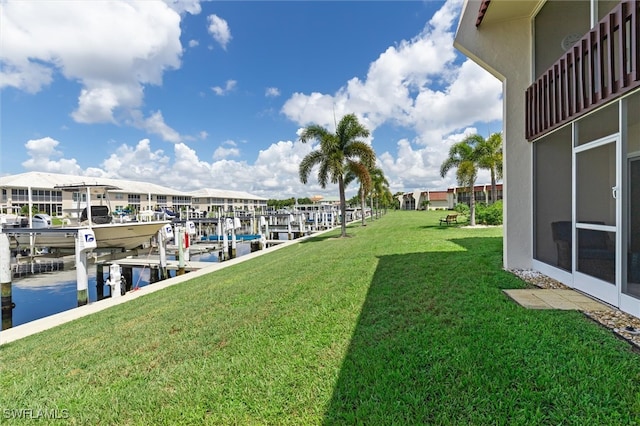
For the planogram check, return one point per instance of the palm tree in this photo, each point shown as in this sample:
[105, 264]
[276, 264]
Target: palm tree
[491, 159]
[360, 172]
[338, 153]
[379, 184]
[465, 156]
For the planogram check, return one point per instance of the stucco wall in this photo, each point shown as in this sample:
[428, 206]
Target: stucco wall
[504, 50]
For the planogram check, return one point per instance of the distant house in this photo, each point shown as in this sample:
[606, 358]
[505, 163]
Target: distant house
[47, 197]
[571, 78]
[445, 200]
[482, 194]
[212, 200]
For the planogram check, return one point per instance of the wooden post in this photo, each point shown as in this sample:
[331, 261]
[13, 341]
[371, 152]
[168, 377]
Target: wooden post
[100, 281]
[127, 273]
[5, 281]
[154, 275]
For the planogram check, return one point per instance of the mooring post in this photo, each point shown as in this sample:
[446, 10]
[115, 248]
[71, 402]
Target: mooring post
[232, 252]
[225, 240]
[189, 236]
[5, 281]
[127, 274]
[85, 242]
[261, 230]
[289, 230]
[164, 235]
[180, 243]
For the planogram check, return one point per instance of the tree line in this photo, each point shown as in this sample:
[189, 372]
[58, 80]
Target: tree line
[343, 157]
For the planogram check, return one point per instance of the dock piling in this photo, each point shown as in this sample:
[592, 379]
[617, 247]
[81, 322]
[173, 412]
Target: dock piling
[99, 281]
[233, 248]
[164, 235]
[180, 243]
[5, 282]
[85, 242]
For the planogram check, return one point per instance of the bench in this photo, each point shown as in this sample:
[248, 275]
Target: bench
[451, 218]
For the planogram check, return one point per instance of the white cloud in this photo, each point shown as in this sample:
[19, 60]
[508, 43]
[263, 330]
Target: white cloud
[46, 158]
[77, 41]
[219, 30]
[136, 163]
[229, 149]
[229, 86]
[193, 43]
[181, 6]
[155, 124]
[415, 85]
[272, 92]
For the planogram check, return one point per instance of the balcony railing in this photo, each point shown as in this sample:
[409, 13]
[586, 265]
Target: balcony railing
[599, 68]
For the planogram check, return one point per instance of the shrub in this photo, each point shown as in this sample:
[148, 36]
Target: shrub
[462, 209]
[489, 214]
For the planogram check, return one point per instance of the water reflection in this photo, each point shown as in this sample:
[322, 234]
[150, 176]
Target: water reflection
[41, 295]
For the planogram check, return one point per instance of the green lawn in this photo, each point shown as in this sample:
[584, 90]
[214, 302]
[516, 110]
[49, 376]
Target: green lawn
[402, 323]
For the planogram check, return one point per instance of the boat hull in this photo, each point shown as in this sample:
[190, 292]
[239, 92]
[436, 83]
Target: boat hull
[125, 236]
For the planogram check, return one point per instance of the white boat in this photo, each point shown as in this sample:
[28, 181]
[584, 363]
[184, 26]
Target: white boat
[109, 234]
[127, 235]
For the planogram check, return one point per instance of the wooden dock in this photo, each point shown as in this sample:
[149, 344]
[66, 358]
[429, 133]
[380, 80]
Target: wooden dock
[153, 262]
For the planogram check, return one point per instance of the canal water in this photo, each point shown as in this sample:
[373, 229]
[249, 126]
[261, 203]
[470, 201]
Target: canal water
[41, 295]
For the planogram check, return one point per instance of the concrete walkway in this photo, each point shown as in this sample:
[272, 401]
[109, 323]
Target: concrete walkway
[539, 298]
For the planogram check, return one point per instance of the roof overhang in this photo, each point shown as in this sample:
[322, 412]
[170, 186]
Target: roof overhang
[492, 11]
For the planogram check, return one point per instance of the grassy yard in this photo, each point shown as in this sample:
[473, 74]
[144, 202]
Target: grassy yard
[402, 323]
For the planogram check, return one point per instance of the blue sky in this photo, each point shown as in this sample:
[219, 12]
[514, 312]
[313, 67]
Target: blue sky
[197, 94]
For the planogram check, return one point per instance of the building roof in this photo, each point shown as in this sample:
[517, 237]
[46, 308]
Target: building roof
[43, 180]
[496, 11]
[438, 195]
[222, 193]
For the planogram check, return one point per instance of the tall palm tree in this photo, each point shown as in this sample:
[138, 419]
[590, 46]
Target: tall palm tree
[379, 184]
[465, 156]
[365, 184]
[491, 159]
[338, 153]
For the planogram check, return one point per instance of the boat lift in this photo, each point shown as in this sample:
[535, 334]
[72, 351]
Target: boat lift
[85, 242]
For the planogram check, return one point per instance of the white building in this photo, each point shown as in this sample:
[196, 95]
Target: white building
[48, 197]
[212, 200]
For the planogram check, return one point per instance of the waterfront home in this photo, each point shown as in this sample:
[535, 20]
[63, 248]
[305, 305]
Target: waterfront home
[571, 78]
[47, 196]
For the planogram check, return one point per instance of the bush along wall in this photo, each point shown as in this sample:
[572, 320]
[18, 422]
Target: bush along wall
[489, 214]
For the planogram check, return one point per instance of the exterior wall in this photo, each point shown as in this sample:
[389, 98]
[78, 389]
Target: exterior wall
[65, 203]
[213, 204]
[505, 51]
[439, 200]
